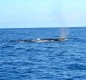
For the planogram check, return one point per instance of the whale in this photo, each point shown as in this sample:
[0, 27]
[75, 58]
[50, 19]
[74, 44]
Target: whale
[43, 40]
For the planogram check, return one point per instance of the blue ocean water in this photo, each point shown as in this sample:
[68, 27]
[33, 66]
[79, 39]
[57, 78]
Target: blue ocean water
[42, 61]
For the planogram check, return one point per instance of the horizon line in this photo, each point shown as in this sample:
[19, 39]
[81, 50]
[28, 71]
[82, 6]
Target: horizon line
[39, 27]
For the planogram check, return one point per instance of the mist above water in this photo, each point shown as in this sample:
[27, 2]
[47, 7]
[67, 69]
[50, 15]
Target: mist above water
[64, 32]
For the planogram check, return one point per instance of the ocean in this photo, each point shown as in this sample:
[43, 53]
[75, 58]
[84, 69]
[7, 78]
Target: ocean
[45, 60]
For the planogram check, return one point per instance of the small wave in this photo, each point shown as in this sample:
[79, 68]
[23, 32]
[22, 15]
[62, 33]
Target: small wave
[78, 39]
[76, 67]
[8, 46]
[51, 47]
[20, 48]
[68, 78]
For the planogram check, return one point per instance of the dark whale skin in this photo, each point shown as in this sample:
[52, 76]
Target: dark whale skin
[42, 40]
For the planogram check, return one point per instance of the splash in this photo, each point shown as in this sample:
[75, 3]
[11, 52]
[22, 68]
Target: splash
[64, 32]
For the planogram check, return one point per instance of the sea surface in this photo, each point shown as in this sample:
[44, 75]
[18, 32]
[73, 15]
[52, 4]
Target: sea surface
[42, 61]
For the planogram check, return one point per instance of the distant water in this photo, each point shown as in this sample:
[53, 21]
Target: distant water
[42, 61]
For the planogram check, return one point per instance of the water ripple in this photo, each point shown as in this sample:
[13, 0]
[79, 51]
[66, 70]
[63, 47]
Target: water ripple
[76, 67]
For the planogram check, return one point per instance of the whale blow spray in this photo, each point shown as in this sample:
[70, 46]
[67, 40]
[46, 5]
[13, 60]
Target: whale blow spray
[64, 32]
